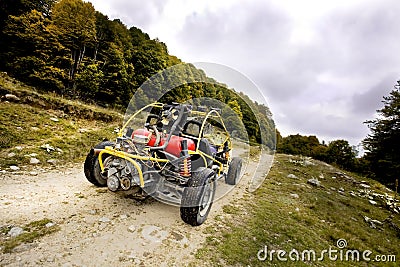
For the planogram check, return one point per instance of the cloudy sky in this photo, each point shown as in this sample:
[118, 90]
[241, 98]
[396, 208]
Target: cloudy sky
[323, 66]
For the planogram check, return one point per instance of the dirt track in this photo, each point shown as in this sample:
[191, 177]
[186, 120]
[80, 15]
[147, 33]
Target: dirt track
[101, 228]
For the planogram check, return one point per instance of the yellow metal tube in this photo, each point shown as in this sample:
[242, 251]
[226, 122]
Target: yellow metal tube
[115, 153]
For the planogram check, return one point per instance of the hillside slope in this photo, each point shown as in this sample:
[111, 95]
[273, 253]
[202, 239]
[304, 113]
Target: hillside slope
[307, 205]
[48, 127]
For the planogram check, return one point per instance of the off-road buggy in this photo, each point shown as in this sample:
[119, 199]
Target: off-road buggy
[176, 156]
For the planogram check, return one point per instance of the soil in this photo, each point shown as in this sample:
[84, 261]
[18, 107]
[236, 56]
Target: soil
[102, 228]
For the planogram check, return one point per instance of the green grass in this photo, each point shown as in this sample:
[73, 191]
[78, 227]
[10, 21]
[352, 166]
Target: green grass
[316, 220]
[30, 128]
[28, 125]
[32, 231]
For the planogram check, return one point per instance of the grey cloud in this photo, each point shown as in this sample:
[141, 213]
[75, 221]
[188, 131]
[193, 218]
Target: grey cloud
[331, 127]
[137, 13]
[245, 33]
[371, 100]
[363, 40]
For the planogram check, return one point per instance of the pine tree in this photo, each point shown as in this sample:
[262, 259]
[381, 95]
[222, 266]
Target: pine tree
[383, 143]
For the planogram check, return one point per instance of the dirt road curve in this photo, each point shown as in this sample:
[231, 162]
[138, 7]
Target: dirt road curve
[100, 228]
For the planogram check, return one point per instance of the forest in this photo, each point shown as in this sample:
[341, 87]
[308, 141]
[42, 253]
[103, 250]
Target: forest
[68, 48]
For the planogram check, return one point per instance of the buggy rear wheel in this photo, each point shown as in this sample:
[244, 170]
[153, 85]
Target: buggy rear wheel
[92, 166]
[235, 167]
[198, 196]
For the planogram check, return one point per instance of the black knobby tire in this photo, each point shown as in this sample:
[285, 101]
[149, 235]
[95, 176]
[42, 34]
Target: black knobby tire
[92, 166]
[235, 167]
[198, 196]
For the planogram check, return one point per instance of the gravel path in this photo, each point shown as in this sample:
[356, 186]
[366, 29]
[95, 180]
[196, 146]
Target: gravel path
[101, 228]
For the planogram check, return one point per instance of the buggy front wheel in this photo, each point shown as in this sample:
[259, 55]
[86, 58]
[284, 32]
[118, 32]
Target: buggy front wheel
[198, 196]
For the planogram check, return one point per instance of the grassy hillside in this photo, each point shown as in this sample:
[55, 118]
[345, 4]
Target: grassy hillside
[288, 213]
[32, 121]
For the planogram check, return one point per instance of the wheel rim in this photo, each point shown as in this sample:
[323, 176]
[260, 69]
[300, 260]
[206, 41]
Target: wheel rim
[207, 198]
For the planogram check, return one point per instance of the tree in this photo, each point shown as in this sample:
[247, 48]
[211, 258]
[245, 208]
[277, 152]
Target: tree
[16, 8]
[383, 143]
[75, 21]
[35, 55]
[88, 81]
[149, 58]
[340, 152]
[234, 105]
[299, 145]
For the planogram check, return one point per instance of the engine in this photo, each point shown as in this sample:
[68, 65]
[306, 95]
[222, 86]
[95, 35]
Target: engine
[121, 174]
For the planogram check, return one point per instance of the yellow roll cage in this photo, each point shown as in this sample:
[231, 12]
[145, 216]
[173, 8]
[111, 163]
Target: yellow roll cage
[130, 157]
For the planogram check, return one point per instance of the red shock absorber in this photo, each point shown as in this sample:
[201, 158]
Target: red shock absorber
[186, 164]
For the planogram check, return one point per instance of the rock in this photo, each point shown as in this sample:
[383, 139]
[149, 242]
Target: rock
[52, 161]
[33, 128]
[297, 209]
[321, 176]
[365, 186]
[132, 228]
[34, 161]
[14, 168]
[33, 173]
[83, 130]
[48, 147]
[308, 162]
[54, 119]
[15, 231]
[12, 97]
[19, 148]
[50, 224]
[10, 155]
[333, 177]
[123, 216]
[292, 176]
[373, 202]
[294, 195]
[341, 189]
[314, 182]
[33, 155]
[104, 220]
[372, 223]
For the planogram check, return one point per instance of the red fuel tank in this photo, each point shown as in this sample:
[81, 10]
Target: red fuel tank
[174, 145]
